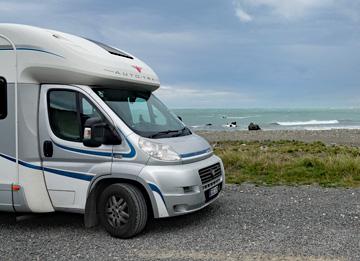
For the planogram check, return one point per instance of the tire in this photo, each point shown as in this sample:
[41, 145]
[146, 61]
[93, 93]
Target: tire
[122, 210]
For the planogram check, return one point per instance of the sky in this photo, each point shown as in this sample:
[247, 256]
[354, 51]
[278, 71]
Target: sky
[223, 53]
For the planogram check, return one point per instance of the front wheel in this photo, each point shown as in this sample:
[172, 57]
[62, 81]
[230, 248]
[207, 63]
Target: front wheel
[122, 210]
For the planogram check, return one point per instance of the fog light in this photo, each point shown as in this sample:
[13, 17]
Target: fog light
[191, 189]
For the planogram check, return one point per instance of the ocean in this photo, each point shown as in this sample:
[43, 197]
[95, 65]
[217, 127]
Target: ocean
[270, 119]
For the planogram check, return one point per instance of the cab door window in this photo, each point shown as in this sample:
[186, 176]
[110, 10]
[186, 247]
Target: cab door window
[87, 110]
[68, 112]
[64, 115]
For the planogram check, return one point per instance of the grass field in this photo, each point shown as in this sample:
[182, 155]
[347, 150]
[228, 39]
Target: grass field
[290, 163]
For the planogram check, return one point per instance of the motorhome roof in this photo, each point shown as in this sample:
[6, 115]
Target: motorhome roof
[47, 56]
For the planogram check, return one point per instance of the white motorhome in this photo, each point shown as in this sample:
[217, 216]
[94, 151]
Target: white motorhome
[81, 131]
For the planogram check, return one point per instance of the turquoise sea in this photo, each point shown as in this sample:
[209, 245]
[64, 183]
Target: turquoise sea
[271, 119]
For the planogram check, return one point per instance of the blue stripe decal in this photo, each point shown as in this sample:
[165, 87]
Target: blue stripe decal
[69, 174]
[89, 152]
[75, 175]
[31, 49]
[130, 154]
[7, 157]
[193, 154]
[31, 166]
[156, 189]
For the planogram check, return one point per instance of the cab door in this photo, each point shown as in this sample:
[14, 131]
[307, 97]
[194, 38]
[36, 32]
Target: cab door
[68, 165]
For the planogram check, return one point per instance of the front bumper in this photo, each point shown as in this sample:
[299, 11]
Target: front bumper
[178, 189]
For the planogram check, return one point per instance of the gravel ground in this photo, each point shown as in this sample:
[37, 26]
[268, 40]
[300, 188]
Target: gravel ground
[343, 137]
[246, 223]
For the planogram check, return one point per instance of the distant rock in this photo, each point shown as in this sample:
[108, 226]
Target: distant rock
[231, 125]
[252, 126]
[208, 124]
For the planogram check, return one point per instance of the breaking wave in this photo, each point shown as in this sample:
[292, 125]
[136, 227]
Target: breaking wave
[301, 123]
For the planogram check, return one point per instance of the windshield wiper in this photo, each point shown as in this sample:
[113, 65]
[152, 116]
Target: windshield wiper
[183, 132]
[160, 133]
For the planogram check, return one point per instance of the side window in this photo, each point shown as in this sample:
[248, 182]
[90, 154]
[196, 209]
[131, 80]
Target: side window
[3, 98]
[87, 111]
[63, 114]
[68, 112]
[139, 111]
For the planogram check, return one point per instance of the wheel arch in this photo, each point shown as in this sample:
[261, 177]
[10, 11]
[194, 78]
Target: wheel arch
[91, 214]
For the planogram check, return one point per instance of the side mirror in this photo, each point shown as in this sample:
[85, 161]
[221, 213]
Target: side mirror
[179, 118]
[96, 133]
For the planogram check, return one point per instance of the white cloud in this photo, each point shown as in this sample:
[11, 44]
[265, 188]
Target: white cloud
[12, 7]
[175, 91]
[293, 8]
[182, 97]
[289, 9]
[242, 15]
[147, 36]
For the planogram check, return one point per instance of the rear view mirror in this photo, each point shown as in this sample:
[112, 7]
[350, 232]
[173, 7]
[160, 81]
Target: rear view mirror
[96, 133]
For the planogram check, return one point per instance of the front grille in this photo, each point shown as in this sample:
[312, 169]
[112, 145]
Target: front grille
[211, 184]
[210, 173]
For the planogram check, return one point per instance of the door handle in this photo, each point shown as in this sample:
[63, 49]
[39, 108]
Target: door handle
[48, 149]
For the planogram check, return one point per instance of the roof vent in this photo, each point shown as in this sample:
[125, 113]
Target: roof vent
[111, 49]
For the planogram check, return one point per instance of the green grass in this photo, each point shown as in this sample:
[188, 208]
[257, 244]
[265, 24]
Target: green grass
[290, 163]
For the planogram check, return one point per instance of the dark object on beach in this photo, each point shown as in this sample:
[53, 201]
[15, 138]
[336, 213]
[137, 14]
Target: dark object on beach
[208, 124]
[252, 126]
[232, 125]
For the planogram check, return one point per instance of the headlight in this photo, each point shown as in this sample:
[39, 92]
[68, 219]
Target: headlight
[158, 150]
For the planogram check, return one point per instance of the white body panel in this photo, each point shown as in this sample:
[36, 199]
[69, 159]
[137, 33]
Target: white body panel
[47, 56]
[33, 185]
[8, 170]
[8, 129]
[67, 192]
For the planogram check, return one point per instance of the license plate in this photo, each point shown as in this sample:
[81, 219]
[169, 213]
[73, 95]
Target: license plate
[213, 191]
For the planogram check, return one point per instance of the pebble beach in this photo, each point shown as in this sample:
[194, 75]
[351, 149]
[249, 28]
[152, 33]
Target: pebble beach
[330, 137]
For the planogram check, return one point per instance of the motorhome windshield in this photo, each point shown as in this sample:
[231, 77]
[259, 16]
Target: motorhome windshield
[143, 113]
